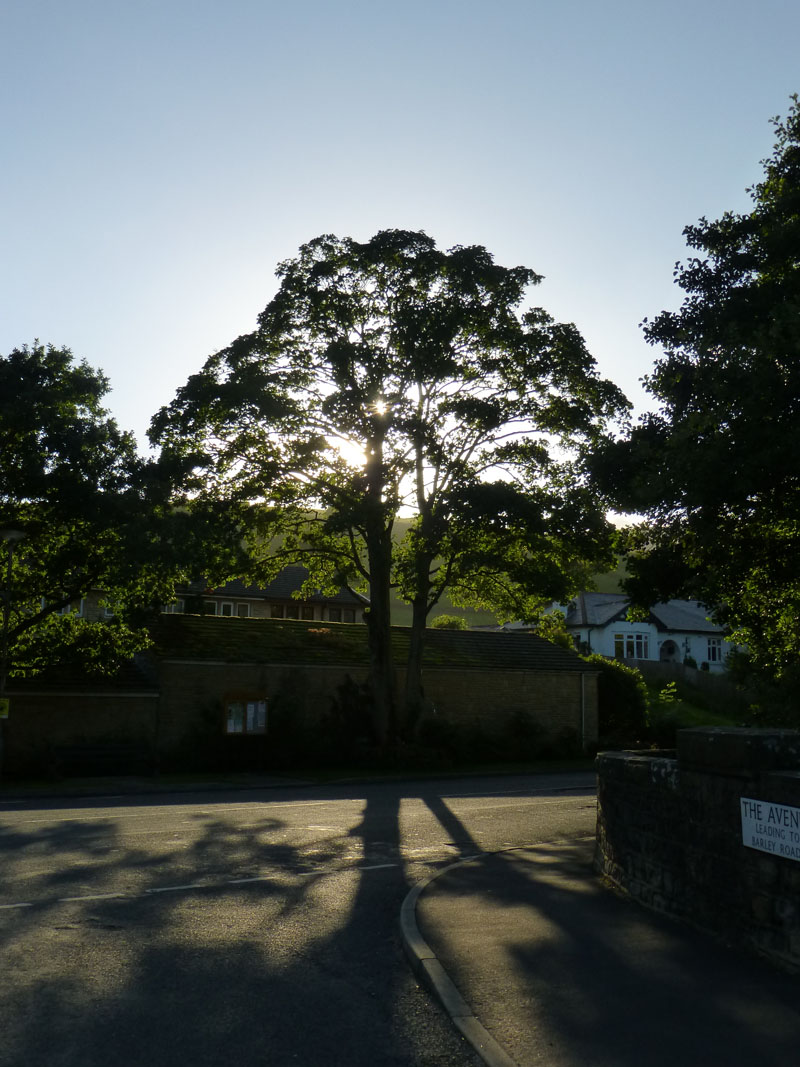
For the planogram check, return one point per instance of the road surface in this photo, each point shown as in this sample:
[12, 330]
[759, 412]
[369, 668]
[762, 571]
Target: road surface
[249, 928]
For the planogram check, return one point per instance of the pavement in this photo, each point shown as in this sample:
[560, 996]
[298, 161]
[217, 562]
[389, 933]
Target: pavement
[538, 962]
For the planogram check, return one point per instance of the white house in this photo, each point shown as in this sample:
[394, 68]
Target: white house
[673, 632]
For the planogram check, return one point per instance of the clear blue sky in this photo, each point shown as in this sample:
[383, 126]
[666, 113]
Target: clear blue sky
[160, 157]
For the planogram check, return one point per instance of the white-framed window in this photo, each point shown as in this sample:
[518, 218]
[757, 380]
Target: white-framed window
[226, 608]
[177, 607]
[334, 614]
[715, 650]
[246, 715]
[76, 607]
[243, 611]
[631, 646]
[209, 607]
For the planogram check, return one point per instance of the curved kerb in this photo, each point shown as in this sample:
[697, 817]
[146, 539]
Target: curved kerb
[430, 971]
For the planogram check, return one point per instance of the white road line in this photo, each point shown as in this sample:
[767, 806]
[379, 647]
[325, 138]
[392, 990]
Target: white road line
[95, 896]
[378, 867]
[5, 907]
[176, 888]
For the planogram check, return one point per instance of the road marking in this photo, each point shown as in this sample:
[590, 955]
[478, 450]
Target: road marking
[176, 888]
[378, 867]
[94, 896]
[5, 907]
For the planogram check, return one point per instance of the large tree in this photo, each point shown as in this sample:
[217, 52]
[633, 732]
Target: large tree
[714, 468]
[390, 377]
[80, 511]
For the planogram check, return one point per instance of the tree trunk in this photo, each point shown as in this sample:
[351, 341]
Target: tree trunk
[415, 692]
[379, 551]
[415, 702]
[379, 620]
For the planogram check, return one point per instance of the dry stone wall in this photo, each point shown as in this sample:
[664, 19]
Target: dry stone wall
[708, 835]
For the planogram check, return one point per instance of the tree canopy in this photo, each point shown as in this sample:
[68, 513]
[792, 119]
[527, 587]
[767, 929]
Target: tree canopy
[713, 469]
[93, 515]
[391, 377]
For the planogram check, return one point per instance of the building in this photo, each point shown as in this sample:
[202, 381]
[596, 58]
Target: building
[280, 599]
[678, 631]
[248, 692]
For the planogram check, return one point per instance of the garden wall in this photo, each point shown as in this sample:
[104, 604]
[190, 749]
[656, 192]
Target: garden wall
[192, 693]
[711, 836]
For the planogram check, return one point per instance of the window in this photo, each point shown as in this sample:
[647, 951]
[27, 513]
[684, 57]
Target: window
[715, 650]
[335, 614]
[209, 607]
[243, 611]
[631, 646]
[226, 609]
[349, 615]
[74, 608]
[276, 611]
[292, 611]
[307, 611]
[246, 715]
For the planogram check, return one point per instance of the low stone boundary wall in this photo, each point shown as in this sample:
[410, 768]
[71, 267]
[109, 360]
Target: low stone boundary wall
[671, 831]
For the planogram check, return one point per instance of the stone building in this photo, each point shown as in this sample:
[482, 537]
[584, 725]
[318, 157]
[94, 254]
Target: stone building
[212, 683]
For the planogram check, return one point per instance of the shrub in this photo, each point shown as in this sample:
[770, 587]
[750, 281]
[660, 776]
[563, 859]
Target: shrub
[552, 627]
[622, 703]
[449, 622]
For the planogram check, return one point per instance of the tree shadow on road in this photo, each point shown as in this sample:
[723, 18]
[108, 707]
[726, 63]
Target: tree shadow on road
[301, 965]
[561, 968]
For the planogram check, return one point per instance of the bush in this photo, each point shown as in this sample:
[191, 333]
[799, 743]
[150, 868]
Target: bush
[449, 622]
[622, 703]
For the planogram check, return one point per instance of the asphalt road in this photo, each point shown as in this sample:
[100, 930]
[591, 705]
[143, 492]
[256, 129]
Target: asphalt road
[245, 928]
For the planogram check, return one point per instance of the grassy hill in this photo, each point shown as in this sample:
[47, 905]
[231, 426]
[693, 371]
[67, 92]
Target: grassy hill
[401, 613]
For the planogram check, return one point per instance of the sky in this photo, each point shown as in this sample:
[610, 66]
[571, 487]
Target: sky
[161, 157]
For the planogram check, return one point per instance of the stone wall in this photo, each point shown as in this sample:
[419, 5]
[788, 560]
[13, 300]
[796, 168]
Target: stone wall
[41, 723]
[669, 832]
[560, 702]
[183, 716]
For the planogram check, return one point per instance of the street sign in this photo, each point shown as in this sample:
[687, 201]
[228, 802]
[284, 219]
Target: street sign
[772, 828]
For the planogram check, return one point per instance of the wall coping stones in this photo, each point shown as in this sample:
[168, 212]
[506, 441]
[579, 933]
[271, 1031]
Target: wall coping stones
[738, 749]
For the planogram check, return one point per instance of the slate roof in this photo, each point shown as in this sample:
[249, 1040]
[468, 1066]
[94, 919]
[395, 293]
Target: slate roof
[599, 609]
[686, 615]
[596, 609]
[233, 640]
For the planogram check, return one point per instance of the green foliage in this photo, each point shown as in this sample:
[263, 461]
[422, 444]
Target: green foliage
[623, 703]
[449, 622]
[713, 469]
[668, 694]
[95, 516]
[387, 375]
[553, 627]
[71, 482]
